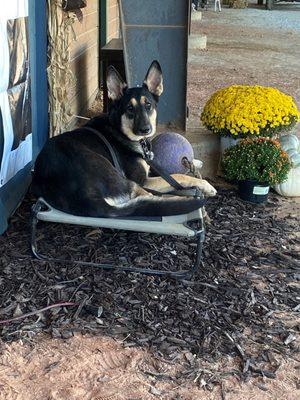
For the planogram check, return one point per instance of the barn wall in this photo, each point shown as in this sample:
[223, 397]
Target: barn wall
[113, 26]
[76, 45]
[85, 53]
[85, 59]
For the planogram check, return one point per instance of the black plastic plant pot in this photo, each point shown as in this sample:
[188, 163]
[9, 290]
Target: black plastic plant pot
[253, 191]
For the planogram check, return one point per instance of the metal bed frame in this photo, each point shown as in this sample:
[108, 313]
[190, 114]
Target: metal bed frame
[178, 225]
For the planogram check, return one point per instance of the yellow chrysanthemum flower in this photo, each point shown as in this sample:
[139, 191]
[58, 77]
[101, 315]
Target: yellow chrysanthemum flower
[242, 110]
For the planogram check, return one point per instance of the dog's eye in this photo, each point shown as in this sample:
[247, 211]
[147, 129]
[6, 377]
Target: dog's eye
[130, 108]
[148, 106]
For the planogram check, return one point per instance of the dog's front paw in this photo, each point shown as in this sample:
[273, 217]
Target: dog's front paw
[208, 189]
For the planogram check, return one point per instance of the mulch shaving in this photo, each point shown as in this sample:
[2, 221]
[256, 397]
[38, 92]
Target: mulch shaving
[244, 302]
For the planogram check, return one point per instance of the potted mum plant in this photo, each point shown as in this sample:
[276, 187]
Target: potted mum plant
[241, 111]
[256, 164]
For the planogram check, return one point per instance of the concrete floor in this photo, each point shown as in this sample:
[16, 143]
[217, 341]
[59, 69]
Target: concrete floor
[246, 46]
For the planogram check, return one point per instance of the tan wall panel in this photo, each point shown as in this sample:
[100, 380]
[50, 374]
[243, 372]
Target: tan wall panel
[81, 65]
[85, 59]
[85, 54]
[83, 90]
[113, 25]
[90, 21]
[86, 91]
[83, 74]
[92, 6]
[113, 10]
[83, 43]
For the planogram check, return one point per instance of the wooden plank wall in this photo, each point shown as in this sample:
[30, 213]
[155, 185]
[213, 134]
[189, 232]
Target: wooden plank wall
[85, 59]
[85, 53]
[113, 24]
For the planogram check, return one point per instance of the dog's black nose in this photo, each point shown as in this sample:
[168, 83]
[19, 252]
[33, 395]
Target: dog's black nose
[145, 130]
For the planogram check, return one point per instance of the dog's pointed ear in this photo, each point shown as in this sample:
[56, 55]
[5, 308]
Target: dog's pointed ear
[115, 84]
[154, 79]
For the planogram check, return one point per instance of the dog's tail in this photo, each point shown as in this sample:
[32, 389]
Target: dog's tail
[156, 206]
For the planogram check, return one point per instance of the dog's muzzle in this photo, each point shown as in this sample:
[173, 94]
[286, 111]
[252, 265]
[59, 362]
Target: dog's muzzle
[145, 132]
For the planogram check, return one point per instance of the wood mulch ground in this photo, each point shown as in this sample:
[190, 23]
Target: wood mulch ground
[243, 303]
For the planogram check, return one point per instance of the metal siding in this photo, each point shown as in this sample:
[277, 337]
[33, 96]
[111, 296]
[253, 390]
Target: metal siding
[155, 12]
[158, 30]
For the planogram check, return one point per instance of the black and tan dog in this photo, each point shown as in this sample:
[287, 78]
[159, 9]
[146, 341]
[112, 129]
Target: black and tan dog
[74, 172]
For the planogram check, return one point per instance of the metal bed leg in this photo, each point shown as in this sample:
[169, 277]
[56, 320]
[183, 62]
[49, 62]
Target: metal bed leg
[34, 221]
[199, 252]
[199, 249]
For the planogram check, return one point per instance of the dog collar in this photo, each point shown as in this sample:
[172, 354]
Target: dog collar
[147, 149]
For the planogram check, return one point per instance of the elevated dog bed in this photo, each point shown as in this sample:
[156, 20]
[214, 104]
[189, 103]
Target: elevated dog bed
[178, 225]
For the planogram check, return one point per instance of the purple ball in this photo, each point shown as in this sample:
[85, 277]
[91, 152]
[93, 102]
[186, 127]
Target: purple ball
[169, 149]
